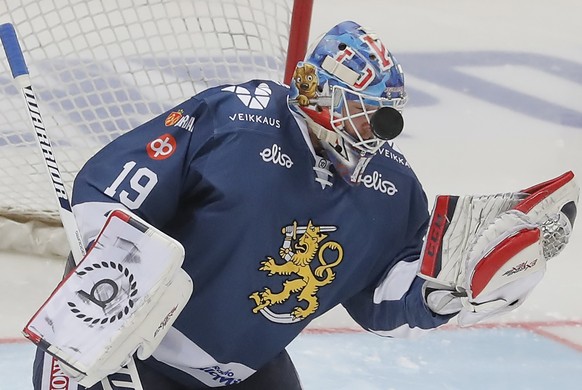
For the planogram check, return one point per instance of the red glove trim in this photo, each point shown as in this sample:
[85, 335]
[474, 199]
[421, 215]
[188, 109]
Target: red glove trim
[541, 191]
[489, 265]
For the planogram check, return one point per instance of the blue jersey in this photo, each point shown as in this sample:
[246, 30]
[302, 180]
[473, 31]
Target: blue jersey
[272, 241]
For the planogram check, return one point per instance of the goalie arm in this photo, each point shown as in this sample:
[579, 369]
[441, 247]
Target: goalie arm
[398, 312]
[393, 304]
[149, 170]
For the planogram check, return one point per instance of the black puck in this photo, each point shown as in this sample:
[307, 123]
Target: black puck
[387, 123]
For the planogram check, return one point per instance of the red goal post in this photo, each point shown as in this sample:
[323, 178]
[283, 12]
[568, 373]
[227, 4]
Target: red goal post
[101, 68]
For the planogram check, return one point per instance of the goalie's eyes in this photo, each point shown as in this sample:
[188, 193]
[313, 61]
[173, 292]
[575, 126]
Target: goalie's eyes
[356, 109]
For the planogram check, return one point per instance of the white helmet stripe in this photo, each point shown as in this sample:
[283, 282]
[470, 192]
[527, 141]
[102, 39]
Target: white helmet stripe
[340, 71]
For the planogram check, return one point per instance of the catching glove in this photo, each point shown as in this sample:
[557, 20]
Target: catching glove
[483, 255]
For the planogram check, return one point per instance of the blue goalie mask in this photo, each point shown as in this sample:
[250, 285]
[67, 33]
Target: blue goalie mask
[350, 89]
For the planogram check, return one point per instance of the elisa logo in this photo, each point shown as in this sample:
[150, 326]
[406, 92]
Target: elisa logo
[376, 182]
[275, 156]
[257, 100]
[162, 147]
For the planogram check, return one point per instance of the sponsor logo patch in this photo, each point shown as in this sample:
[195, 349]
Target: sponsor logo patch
[257, 100]
[162, 147]
[376, 182]
[178, 119]
[111, 296]
[173, 118]
[275, 156]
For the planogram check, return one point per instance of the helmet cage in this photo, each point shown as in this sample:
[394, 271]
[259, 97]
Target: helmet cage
[343, 112]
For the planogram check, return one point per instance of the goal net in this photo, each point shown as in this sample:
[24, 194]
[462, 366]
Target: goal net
[100, 68]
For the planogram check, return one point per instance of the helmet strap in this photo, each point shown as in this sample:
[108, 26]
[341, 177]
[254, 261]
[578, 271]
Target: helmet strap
[340, 71]
[321, 130]
[322, 133]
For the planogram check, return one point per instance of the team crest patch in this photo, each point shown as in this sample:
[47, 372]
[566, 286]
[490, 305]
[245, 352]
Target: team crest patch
[309, 260]
[173, 118]
[178, 119]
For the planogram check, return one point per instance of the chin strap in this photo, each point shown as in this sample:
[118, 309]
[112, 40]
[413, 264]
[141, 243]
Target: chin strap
[318, 122]
[322, 133]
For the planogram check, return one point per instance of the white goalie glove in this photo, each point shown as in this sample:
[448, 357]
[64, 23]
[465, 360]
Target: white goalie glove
[121, 299]
[483, 255]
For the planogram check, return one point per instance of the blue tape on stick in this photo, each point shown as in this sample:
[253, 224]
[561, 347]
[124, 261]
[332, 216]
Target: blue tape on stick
[13, 50]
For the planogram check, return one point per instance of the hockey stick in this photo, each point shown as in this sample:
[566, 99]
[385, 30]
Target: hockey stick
[21, 76]
[20, 73]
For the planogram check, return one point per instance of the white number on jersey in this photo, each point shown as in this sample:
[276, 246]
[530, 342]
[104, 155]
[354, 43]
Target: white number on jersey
[142, 181]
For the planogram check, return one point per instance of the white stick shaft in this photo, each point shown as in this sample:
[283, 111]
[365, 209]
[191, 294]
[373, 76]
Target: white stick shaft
[20, 74]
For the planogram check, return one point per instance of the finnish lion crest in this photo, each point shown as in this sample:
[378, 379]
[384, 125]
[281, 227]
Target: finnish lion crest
[302, 244]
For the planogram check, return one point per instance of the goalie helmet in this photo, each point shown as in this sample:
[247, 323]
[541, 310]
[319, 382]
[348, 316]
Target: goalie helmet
[341, 89]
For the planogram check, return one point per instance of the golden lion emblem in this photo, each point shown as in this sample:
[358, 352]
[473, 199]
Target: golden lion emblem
[298, 255]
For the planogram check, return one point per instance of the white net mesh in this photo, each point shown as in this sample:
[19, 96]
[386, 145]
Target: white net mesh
[100, 68]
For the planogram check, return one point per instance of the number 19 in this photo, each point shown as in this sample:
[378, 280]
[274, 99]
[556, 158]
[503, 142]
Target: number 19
[142, 181]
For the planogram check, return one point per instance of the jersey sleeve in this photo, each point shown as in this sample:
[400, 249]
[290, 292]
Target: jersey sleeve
[393, 305]
[146, 170]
